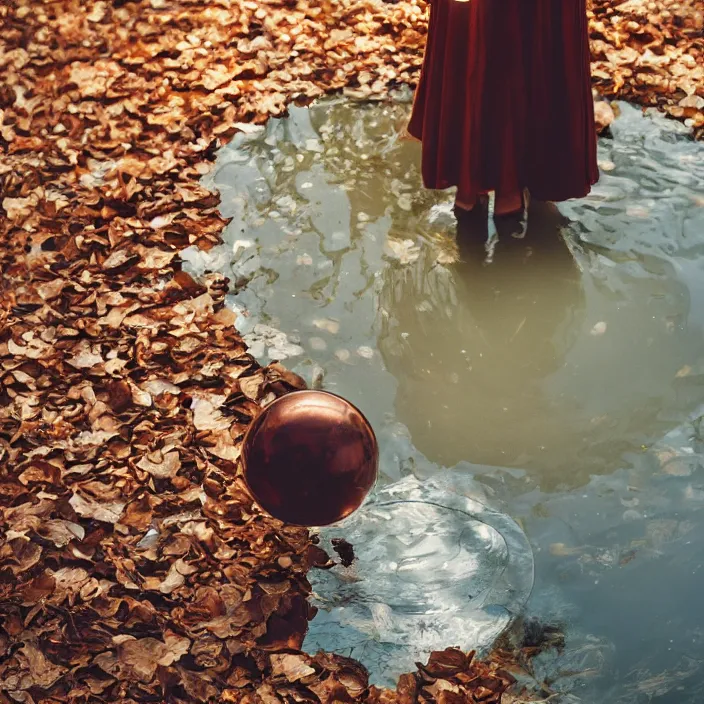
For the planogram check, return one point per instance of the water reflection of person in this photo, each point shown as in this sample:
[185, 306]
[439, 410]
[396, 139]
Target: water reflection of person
[473, 343]
[532, 388]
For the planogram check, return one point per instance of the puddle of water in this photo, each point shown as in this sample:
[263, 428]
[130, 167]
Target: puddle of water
[559, 364]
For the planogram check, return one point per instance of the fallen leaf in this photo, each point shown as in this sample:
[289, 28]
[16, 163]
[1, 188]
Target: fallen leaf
[108, 512]
[292, 667]
[164, 466]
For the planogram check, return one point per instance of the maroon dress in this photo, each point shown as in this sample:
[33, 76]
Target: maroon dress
[504, 100]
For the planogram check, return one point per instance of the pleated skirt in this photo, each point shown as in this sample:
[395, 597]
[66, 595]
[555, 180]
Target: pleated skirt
[504, 100]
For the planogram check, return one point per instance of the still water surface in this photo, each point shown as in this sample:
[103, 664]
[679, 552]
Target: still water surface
[564, 373]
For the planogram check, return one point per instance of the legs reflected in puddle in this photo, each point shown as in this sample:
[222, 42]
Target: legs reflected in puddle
[512, 356]
[522, 303]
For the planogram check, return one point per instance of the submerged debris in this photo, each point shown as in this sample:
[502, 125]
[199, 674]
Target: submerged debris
[345, 550]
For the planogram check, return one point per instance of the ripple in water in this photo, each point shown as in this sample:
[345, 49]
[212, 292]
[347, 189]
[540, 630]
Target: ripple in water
[434, 568]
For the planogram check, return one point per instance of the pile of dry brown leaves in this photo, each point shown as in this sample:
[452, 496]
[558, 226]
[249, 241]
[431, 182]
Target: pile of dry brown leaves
[133, 565]
[651, 52]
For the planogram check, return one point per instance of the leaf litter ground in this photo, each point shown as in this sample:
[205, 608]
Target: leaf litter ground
[133, 564]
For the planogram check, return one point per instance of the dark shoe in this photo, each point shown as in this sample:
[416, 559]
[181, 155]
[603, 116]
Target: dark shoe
[473, 231]
[480, 209]
[514, 224]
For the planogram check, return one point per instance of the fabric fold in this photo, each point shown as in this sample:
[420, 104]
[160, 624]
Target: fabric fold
[504, 100]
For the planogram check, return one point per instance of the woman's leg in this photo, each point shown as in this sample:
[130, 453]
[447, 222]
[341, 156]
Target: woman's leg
[556, 151]
[466, 204]
[446, 114]
[504, 105]
[509, 202]
[505, 101]
[560, 134]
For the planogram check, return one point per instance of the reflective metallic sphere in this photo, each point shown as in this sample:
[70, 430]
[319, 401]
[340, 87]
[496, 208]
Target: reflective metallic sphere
[310, 458]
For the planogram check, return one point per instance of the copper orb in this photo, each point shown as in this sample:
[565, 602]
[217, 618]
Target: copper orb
[310, 458]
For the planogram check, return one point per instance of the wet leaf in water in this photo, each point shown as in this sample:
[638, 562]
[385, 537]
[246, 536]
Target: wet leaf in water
[562, 550]
[331, 326]
[344, 550]
[405, 251]
[343, 355]
[317, 344]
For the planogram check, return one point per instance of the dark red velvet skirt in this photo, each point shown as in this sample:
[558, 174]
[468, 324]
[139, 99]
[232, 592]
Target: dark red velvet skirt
[505, 100]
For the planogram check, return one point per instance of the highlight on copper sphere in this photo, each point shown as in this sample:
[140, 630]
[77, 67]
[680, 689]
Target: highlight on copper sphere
[310, 458]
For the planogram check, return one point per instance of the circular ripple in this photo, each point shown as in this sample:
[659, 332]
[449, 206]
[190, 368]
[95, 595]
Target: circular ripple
[435, 568]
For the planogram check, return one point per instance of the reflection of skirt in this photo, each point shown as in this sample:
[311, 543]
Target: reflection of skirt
[504, 99]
